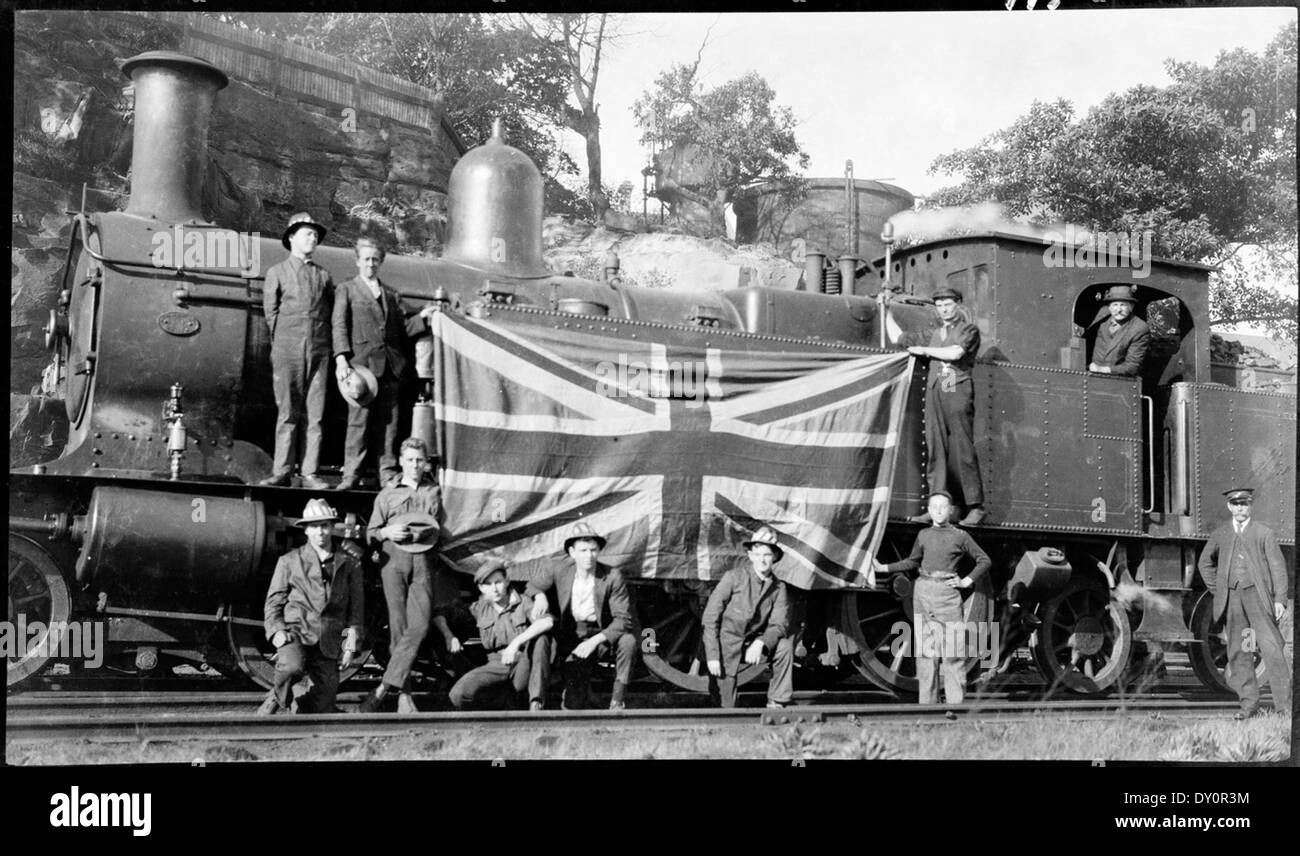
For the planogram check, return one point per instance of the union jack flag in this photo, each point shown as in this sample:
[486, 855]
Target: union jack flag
[674, 448]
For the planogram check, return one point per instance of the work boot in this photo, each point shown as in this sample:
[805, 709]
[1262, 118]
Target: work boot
[974, 517]
[347, 483]
[776, 705]
[617, 704]
[270, 706]
[534, 705]
[372, 703]
[315, 483]
[406, 704]
[281, 480]
[920, 518]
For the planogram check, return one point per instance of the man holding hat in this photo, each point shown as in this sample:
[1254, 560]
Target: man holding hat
[592, 613]
[939, 555]
[950, 406]
[1122, 341]
[1243, 566]
[370, 363]
[747, 618]
[404, 528]
[298, 299]
[315, 592]
[516, 643]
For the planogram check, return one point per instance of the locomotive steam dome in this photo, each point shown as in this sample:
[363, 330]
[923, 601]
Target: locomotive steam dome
[495, 199]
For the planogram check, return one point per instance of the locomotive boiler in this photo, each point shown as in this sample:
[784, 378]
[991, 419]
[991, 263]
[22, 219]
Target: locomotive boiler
[1101, 489]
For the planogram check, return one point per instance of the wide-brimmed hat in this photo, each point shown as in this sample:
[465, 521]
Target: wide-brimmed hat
[360, 386]
[1120, 292]
[1241, 495]
[488, 568]
[317, 511]
[424, 531]
[302, 218]
[946, 292]
[766, 536]
[582, 531]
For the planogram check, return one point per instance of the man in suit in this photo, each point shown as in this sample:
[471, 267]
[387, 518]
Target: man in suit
[1243, 566]
[298, 300]
[315, 592]
[1122, 340]
[592, 612]
[370, 332]
[950, 407]
[747, 618]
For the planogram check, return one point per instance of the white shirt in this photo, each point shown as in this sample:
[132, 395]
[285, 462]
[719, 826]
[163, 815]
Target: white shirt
[1241, 527]
[373, 285]
[583, 598]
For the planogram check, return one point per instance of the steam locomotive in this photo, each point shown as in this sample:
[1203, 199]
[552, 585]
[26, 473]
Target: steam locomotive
[1101, 489]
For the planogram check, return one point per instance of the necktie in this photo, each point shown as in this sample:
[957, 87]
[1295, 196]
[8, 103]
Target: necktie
[943, 333]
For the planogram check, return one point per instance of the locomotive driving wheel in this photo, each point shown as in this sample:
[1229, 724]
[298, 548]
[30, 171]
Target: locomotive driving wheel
[672, 639]
[37, 593]
[254, 654]
[1209, 653]
[1085, 641]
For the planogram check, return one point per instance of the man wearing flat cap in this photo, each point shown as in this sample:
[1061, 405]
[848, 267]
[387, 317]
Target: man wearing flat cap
[950, 407]
[516, 644]
[298, 299]
[747, 620]
[1122, 339]
[1243, 566]
[948, 563]
[593, 616]
[404, 527]
[314, 594]
[370, 336]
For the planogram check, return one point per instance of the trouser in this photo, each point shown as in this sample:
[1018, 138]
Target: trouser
[292, 661]
[408, 589]
[528, 672]
[372, 432]
[722, 691]
[936, 605]
[577, 670]
[298, 375]
[1250, 628]
[950, 439]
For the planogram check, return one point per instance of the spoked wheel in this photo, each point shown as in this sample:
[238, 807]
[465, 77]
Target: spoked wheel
[1209, 653]
[254, 654]
[37, 594]
[1085, 641]
[672, 640]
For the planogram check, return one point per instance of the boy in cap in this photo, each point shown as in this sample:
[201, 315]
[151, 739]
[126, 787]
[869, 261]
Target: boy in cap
[593, 613]
[370, 334]
[1122, 341]
[298, 299]
[747, 618]
[936, 599]
[315, 592]
[516, 643]
[950, 405]
[404, 528]
[1243, 566]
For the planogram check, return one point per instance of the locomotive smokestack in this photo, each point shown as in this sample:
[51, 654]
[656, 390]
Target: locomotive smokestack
[173, 107]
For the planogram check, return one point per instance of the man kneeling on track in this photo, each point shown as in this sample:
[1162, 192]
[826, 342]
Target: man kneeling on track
[517, 645]
[315, 590]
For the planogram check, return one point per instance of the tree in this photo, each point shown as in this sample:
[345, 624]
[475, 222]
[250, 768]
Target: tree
[740, 133]
[1207, 163]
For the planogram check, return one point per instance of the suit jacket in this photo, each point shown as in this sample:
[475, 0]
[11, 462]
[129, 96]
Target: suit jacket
[316, 609]
[1124, 350]
[743, 609]
[298, 299]
[1263, 558]
[369, 336]
[613, 605]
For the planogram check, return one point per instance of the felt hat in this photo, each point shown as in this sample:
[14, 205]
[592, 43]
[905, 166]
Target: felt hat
[1120, 292]
[360, 387]
[488, 568]
[424, 531]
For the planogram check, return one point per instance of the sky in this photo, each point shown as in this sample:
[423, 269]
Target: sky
[892, 91]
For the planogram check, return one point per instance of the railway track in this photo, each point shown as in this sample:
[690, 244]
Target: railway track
[30, 722]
